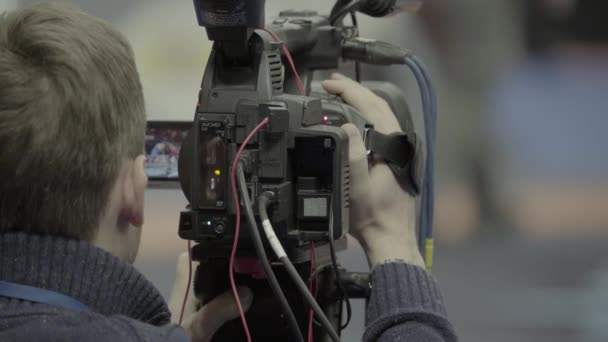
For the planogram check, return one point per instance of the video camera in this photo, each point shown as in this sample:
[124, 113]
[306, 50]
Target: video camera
[267, 132]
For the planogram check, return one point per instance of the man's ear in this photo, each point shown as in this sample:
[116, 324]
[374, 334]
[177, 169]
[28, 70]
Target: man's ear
[134, 189]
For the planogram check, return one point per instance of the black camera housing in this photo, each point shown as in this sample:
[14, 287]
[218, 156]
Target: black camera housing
[301, 156]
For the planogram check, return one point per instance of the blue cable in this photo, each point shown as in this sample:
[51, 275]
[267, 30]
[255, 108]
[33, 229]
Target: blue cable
[431, 125]
[422, 224]
[429, 108]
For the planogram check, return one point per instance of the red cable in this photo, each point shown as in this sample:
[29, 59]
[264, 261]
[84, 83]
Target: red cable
[238, 212]
[237, 228]
[290, 60]
[181, 315]
[313, 288]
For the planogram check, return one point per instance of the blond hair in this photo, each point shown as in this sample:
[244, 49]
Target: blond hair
[71, 111]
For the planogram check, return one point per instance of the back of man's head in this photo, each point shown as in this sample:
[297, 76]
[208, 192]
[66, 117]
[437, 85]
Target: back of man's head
[71, 111]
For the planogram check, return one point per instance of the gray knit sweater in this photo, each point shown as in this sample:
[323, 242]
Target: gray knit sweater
[405, 303]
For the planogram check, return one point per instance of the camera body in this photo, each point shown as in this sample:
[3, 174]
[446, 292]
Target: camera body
[301, 156]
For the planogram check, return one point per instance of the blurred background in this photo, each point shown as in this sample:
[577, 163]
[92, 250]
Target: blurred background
[522, 194]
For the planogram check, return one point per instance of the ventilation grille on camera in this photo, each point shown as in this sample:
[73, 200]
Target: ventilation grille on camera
[346, 186]
[276, 70]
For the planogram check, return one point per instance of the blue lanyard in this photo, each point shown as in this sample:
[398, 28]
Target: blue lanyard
[37, 295]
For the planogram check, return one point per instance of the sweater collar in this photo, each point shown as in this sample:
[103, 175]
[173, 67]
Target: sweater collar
[94, 277]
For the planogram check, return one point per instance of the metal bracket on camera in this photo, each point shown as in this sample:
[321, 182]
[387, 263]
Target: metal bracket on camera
[401, 152]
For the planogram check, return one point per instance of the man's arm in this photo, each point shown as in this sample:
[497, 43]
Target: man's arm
[406, 303]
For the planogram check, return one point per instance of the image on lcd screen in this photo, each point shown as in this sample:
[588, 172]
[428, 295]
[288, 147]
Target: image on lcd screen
[163, 143]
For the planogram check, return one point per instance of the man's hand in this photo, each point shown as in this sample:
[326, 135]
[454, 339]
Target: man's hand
[382, 215]
[201, 325]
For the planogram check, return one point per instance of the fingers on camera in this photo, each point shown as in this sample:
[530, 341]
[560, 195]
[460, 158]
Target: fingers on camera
[358, 161]
[356, 148]
[351, 92]
[361, 98]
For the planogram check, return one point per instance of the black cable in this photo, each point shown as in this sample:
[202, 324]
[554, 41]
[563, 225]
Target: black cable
[353, 18]
[293, 273]
[259, 248]
[338, 12]
[334, 262]
[295, 276]
[336, 7]
[349, 310]
[343, 11]
[313, 274]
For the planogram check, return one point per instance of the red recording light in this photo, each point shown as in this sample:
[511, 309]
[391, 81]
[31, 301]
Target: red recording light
[325, 118]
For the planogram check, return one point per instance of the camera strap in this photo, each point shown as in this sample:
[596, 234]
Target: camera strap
[38, 295]
[402, 153]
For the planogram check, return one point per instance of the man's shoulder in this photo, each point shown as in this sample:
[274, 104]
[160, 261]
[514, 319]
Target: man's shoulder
[53, 324]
